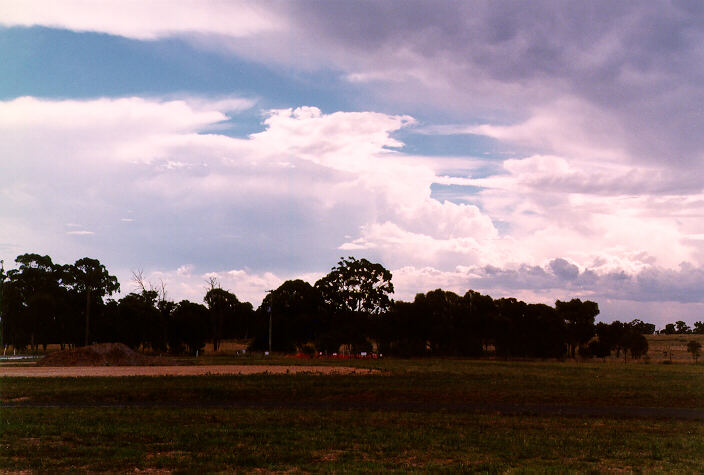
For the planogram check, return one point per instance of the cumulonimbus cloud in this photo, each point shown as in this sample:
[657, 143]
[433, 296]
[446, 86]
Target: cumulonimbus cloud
[311, 186]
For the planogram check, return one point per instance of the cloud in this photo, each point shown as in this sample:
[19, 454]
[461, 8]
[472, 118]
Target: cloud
[574, 78]
[185, 270]
[145, 21]
[299, 186]
[289, 200]
[655, 294]
[80, 233]
[246, 284]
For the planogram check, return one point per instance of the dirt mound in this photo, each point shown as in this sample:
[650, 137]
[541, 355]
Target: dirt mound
[102, 354]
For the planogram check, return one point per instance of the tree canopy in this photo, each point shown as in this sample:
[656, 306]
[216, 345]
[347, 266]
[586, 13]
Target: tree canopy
[357, 285]
[350, 308]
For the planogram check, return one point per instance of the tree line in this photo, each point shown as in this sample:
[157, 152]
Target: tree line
[681, 328]
[350, 308]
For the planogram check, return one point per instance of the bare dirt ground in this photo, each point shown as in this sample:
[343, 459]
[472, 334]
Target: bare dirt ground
[79, 371]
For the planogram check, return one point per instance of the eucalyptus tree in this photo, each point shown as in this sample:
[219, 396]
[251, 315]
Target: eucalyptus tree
[32, 299]
[297, 316]
[223, 306]
[579, 318]
[189, 327]
[90, 279]
[357, 285]
[357, 294]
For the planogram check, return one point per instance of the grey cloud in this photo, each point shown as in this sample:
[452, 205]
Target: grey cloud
[564, 269]
[638, 63]
[652, 284]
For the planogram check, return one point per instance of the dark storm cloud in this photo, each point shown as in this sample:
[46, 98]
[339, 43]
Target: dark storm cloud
[638, 63]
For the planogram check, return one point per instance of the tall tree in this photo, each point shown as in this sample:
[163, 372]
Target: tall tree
[481, 311]
[190, 326]
[91, 279]
[579, 317]
[34, 293]
[356, 292]
[223, 306]
[298, 318]
[357, 285]
[444, 311]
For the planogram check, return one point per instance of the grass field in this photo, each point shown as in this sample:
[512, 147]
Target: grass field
[447, 415]
[216, 439]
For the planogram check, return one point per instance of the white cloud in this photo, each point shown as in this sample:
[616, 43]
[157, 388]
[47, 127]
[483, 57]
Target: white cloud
[247, 285]
[569, 127]
[311, 186]
[185, 270]
[80, 233]
[144, 20]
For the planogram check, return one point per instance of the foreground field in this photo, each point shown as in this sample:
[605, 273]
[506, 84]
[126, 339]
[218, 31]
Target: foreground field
[338, 440]
[417, 415]
[120, 371]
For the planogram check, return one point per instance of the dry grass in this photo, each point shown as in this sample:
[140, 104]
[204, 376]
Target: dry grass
[671, 347]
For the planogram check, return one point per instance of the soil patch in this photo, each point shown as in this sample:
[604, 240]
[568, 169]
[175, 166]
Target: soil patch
[102, 354]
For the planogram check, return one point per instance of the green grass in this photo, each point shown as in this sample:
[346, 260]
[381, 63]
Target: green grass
[329, 440]
[420, 415]
[439, 381]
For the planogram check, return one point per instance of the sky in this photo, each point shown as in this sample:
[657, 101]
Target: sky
[540, 150]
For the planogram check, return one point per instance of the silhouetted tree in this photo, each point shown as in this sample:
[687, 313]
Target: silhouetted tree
[139, 323]
[626, 337]
[599, 349]
[682, 328]
[444, 310]
[642, 327]
[610, 335]
[298, 318]
[190, 322]
[357, 285]
[546, 332]
[355, 291]
[511, 327]
[481, 314]
[404, 331]
[635, 342]
[579, 317]
[32, 298]
[91, 279]
[223, 307]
